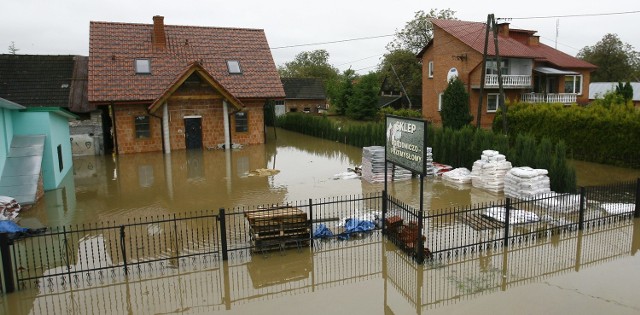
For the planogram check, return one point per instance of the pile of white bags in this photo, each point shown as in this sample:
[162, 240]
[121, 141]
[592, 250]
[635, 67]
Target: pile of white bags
[373, 166]
[525, 182]
[431, 170]
[561, 203]
[9, 208]
[488, 172]
[460, 175]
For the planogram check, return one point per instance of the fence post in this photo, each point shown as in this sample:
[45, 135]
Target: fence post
[311, 221]
[7, 267]
[384, 212]
[636, 214]
[507, 214]
[223, 233]
[583, 199]
[123, 249]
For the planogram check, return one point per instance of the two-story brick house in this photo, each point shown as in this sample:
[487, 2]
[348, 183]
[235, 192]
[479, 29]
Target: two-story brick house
[531, 71]
[171, 87]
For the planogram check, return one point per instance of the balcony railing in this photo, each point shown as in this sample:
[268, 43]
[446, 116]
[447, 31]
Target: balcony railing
[508, 81]
[563, 98]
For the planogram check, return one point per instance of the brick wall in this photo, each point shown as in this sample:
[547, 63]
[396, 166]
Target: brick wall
[124, 117]
[300, 105]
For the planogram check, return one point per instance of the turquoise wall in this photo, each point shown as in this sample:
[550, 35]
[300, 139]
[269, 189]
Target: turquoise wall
[6, 128]
[56, 129]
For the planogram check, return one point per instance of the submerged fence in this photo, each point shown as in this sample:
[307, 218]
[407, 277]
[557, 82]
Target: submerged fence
[70, 257]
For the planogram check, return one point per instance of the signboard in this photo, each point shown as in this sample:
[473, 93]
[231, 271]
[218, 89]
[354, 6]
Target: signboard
[405, 145]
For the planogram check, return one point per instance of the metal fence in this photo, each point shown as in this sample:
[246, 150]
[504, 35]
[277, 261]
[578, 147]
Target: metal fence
[72, 257]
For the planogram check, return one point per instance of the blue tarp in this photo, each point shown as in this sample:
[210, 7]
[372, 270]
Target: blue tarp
[7, 226]
[353, 225]
[322, 231]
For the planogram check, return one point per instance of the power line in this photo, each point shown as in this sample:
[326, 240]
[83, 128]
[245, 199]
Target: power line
[569, 15]
[342, 64]
[334, 42]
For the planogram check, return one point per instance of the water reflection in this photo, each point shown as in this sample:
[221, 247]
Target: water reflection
[366, 275]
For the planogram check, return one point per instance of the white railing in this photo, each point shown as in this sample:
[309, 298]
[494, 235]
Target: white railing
[563, 98]
[508, 80]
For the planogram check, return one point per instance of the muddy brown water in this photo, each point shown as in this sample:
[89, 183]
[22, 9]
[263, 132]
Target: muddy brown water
[592, 273]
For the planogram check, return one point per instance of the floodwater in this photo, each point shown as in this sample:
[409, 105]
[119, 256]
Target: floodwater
[593, 273]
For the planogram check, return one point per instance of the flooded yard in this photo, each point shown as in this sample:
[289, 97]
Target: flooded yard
[589, 273]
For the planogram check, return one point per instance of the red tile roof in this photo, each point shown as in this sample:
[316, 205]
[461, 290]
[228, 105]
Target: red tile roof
[113, 48]
[473, 35]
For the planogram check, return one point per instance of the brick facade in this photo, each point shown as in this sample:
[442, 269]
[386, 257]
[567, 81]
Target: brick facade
[189, 100]
[446, 51]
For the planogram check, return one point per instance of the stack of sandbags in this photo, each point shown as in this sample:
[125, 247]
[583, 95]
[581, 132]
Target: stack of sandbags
[430, 169]
[488, 172]
[9, 208]
[373, 166]
[526, 182]
[460, 175]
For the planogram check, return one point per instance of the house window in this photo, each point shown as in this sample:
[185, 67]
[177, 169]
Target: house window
[143, 66]
[492, 102]
[234, 66]
[60, 164]
[431, 69]
[242, 121]
[143, 129]
[492, 66]
[280, 102]
[573, 84]
[440, 101]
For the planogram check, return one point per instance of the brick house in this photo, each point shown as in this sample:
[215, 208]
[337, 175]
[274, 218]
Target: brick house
[531, 71]
[172, 87]
[303, 95]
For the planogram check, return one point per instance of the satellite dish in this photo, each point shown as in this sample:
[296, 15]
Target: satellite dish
[452, 75]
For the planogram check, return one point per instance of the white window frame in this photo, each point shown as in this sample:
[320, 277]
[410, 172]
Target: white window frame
[575, 88]
[440, 96]
[234, 67]
[430, 69]
[142, 65]
[496, 103]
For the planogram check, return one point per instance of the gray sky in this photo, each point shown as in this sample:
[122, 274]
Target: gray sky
[61, 27]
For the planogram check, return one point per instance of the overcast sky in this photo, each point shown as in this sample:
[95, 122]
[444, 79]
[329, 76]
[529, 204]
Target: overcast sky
[61, 27]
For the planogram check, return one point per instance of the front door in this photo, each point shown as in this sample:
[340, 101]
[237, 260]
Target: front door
[193, 133]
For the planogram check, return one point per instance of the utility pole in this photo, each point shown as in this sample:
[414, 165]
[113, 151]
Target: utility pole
[484, 72]
[500, 87]
[401, 85]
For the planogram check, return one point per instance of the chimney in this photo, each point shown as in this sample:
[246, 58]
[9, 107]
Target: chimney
[534, 40]
[159, 38]
[503, 29]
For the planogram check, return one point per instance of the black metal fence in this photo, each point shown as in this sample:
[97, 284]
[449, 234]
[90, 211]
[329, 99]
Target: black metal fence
[70, 257]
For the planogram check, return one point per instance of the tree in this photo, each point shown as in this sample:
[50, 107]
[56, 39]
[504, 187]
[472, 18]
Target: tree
[340, 91]
[310, 64]
[419, 31]
[616, 61]
[625, 91]
[364, 103]
[408, 69]
[455, 106]
[12, 48]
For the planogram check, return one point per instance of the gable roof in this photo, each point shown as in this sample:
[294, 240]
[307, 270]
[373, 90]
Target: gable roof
[303, 88]
[113, 48]
[195, 67]
[44, 80]
[473, 35]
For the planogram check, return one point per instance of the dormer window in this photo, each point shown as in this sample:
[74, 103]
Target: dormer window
[143, 66]
[234, 67]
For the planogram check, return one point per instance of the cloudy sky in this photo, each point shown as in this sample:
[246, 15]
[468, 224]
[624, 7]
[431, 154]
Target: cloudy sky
[61, 27]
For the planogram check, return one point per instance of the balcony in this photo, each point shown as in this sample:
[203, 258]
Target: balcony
[562, 98]
[509, 81]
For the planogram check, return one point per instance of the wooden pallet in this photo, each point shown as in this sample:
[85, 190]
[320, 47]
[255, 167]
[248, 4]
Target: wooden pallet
[480, 222]
[278, 228]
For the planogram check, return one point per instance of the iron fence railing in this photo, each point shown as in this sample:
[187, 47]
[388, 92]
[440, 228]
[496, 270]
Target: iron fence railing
[77, 256]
